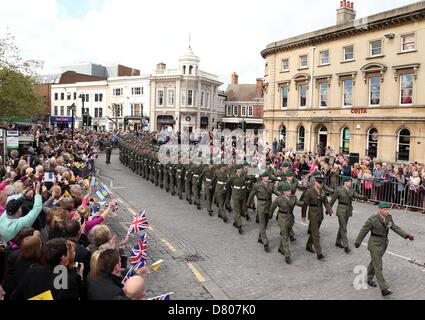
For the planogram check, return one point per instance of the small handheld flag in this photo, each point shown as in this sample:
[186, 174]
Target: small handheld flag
[139, 223]
[66, 194]
[138, 253]
[166, 296]
[47, 295]
[93, 181]
[100, 195]
[156, 265]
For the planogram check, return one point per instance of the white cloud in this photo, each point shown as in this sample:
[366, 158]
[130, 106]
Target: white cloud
[228, 35]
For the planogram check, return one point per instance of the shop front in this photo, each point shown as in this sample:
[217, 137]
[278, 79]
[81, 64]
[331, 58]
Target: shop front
[61, 122]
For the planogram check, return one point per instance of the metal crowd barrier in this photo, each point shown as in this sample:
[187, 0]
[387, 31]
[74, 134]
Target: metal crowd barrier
[402, 196]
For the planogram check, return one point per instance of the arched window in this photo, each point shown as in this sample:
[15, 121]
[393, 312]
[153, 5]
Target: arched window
[345, 140]
[283, 136]
[300, 139]
[403, 145]
[184, 69]
[372, 143]
[190, 69]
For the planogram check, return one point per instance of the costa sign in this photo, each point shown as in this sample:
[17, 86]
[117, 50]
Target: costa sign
[358, 110]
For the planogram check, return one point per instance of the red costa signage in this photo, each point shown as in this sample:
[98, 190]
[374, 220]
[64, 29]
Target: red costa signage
[359, 110]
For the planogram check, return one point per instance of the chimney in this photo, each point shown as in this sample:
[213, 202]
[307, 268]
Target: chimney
[234, 79]
[259, 88]
[160, 67]
[346, 12]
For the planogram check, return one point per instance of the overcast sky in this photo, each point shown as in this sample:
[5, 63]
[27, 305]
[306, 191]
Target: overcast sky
[227, 35]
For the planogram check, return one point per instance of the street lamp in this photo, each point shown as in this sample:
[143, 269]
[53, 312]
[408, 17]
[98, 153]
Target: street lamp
[73, 109]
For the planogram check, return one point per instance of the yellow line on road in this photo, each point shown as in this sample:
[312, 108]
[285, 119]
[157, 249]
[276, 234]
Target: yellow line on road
[195, 271]
[120, 200]
[169, 245]
[132, 211]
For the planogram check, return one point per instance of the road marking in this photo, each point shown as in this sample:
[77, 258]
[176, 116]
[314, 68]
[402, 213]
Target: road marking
[132, 211]
[195, 271]
[169, 245]
[394, 254]
[304, 224]
[120, 200]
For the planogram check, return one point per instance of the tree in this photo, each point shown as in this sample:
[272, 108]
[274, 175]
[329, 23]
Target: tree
[17, 79]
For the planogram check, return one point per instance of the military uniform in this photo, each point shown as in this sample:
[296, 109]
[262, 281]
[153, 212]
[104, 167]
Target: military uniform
[379, 227]
[188, 182]
[221, 179]
[344, 211]
[209, 185]
[171, 169]
[315, 200]
[286, 219]
[180, 173]
[263, 192]
[231, 170]
[166, 177]
[237, 183]
[197, 177]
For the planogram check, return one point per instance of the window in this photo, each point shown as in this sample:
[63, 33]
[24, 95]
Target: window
[170, 95]
[68, 111]
[96, 97]
[372, 143]
[228, 111]
[235, 111]
[117, 110]
[68, 96]
[303, 62]
[302, 92]
[207, 100]
[324, 57]
[266, 69]
[183, 97]
[100, 112]
[202, 98]
[135, 110]
[345, 141]
[189, 97]
[408, 42]
[56, 111]
[376, 48]
[96, 112]
[243, 111]
[117, 92]
[323, 94]
[284, 96]
[250, 111]
[100, 97]
[374, 91]
[87, 97]
[300, 139]
[406, 89]
[56, 96]
[75, 96]
[403, 146]
[137, 91]
[62, 111]
[348, 53]
[160, 98]
[347, 98]
[62, 96]
[285, 65]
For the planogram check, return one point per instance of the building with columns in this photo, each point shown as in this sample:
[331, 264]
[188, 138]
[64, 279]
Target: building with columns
[186, 98]
[355, 86]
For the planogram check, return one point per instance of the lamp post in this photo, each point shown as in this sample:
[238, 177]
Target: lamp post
[73, 109]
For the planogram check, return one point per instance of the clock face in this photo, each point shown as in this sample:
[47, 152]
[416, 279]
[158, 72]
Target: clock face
[188, 118]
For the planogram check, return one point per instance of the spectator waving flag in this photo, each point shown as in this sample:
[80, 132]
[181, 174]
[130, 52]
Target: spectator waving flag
[138, 253]
[129, 274]
[139, 223]
[166, 296]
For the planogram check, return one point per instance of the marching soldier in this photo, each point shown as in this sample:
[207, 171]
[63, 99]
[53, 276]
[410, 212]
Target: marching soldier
[237, 183]
[197, 176]
[379, 226]
[180, 173]
[345, 195]
[263, 190]
[209, 184]
[230, 170]
[221, 178]
[166, 177]
[315, 198]
[172, 177]
[286, 205]
[188, 181]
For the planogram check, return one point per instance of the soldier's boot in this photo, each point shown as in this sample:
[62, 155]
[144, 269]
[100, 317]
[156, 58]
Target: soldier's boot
[386, 292]
[226, 220]
[240, 229]
[310, 249]
[248, 218]
[288, 260]
[372, 283]
[347, 250]
[321, 257]
[211, 213]
[281, 251]
[161, 186]
[292, 238]
[267, 248]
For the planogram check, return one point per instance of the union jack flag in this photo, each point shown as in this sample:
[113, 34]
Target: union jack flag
[139, 223]
[166, 296]
[138, 253]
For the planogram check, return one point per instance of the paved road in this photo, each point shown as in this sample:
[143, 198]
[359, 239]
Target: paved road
[235, 266]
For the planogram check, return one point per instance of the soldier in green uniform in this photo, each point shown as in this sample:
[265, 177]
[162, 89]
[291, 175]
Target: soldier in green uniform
[286, 220]
[180, 173]
[237, 183]
[166, 177]
[263, 190]
[230, 170]
[379, 226]
[188, 182]
[197, 177]
[209, 184]
[172, 177]
[315, 198]
[160, 168]
[345, 195]
[221, 179]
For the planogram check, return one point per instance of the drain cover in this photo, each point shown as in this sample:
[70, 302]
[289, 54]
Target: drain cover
[192, 258]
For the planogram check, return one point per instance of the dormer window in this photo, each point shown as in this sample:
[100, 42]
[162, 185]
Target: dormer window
[184, 69]
[190, 69]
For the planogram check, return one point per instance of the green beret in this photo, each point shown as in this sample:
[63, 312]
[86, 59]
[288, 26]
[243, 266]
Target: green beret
[285, 187]
[346, 179]
[290, 173]
[384, 205]
[264, 174]
[239, 166]
[317, 174]
[286, 164]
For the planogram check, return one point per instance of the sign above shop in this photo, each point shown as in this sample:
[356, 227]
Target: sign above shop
[358, 110]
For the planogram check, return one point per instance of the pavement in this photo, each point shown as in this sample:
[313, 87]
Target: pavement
[207, 259]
